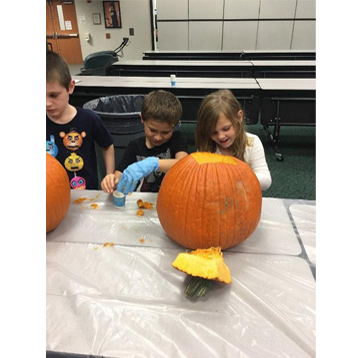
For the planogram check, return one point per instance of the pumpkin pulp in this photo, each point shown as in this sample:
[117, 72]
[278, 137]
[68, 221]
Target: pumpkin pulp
[205, 158]
[205, 263]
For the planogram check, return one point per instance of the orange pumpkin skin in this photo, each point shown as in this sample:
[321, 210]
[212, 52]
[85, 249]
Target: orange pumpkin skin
[57, 193]
[208, 199]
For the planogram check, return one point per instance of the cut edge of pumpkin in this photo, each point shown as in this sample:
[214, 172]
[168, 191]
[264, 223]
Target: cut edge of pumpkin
[207, 158]
[205, 263]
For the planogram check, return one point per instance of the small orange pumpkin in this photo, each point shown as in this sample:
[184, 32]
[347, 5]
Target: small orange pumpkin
[57, 193]
[208, 199]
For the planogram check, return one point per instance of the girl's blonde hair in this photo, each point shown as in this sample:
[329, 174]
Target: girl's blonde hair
[222, 101]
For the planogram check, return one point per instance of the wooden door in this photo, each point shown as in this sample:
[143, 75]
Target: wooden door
[62, 34]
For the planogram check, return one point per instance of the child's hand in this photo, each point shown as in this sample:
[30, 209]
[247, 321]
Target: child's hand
[109, 183]
[135, 172]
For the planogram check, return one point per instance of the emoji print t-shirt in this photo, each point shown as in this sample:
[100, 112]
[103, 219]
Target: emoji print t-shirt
[72, 144]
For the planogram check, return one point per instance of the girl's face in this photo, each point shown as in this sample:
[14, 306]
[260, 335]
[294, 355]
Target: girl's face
[156, 132]
[224, 133]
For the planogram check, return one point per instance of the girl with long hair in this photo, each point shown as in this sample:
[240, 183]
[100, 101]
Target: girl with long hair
[221, 129]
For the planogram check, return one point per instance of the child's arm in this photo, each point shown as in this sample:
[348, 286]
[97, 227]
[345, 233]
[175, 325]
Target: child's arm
[259, 165]
[108, 155]
[110, 181]
[166, 164]
[141, 169]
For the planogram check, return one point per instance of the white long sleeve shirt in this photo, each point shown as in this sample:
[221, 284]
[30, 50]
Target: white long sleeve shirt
[254, 156]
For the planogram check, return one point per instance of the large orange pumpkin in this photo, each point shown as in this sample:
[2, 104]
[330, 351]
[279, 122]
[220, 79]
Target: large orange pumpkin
[57, 193]
[208, 199]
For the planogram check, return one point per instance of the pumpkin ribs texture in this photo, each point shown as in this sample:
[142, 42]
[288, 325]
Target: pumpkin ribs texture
[57, 193]
[207, 199]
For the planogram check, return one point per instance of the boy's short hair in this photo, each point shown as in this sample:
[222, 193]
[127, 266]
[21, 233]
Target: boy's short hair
[57, 70]
[162, 106]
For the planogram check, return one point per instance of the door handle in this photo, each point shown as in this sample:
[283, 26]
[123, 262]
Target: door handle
[65, 35]
[55, 35]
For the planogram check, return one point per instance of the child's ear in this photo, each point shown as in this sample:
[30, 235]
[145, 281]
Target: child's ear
[141, 118]
[71, 86]
[240, 115]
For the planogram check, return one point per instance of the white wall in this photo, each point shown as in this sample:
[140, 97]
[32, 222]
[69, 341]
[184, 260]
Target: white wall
[202, 35]
[134, 14]
[236, 24]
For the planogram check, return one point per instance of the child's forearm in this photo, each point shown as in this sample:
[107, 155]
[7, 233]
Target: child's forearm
[166, 164]
[108, 155]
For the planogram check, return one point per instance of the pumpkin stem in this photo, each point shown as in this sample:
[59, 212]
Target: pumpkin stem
[198, 286]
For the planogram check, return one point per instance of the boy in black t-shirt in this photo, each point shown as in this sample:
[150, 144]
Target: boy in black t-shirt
[72, 131]
[146, 159]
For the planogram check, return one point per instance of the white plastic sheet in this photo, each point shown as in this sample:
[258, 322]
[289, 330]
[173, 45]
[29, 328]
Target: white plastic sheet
[126, 299]
[274, 234]
[304, 216]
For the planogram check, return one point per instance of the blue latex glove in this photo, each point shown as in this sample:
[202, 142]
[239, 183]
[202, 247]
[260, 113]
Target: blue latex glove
[135, 172]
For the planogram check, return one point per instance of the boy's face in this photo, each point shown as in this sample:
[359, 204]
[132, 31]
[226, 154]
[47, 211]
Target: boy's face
[57, 99]
[156, 132]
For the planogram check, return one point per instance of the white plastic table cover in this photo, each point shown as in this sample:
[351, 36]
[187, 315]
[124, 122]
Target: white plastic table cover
[304, 216]
[274, 234]
[126, 299]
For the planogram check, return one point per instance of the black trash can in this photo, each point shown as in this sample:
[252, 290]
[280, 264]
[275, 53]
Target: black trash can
[121, 115]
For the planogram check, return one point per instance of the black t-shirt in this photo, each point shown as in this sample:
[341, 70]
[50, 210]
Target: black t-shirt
[137, 151]
[72, 144]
